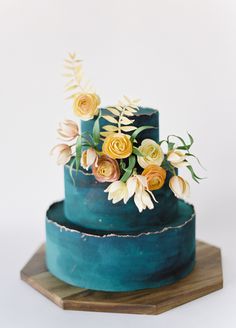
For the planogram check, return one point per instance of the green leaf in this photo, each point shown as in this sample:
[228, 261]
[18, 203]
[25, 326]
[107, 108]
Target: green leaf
[78, 150]
[137, 152]
[122, 165]
[184, 147]
[170, 146]
[140, 129]
[167, 166]
[189, 154]
[191, 139]
[129, 170]
[96, 130]
[194, 176]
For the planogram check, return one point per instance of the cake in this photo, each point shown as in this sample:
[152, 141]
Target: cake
[124, 223]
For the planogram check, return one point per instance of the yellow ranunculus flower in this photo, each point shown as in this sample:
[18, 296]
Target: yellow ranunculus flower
[152, 153]
[117, 145]
[86, 105]
[155, 175]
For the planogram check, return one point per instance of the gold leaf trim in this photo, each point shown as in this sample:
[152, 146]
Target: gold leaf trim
[113, 110]
[110, 119]
[126, 121]
[128, 128]
[110, 128]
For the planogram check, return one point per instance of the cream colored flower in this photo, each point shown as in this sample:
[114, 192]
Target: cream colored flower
[177, 158]
[86, 105]
[117, 145]
[137, 186]
[179, 186]
[68, 130]
[152, 153]
[88, 158]
[117, 191]
[62, 152]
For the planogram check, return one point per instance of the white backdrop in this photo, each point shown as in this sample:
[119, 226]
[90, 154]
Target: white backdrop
[177, 56]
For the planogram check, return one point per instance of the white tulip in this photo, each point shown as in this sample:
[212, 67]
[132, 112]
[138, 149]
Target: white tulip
[177, 158]
[117, 191]
[179, 186]
[89, 156]
[68, 130]
[62, 152]
[137, 186]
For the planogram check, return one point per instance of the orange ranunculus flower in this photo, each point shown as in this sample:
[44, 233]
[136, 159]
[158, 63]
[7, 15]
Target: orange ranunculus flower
[117, 145]
[155, 175]
[106, 169]
[86, 105]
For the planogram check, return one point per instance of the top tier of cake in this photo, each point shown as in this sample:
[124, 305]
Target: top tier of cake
[86, 204]
[144, 116]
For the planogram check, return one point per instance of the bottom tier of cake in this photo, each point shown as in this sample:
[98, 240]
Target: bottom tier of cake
[110, 262]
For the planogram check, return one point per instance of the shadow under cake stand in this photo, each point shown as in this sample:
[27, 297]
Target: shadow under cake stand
[206, 277]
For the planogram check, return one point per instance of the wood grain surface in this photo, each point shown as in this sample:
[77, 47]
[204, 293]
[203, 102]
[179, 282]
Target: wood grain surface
[206, 278]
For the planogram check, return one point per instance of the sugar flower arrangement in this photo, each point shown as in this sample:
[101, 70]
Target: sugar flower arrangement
[114, 155]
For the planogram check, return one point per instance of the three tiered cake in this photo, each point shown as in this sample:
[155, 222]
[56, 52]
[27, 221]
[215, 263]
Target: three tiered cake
[124, 223]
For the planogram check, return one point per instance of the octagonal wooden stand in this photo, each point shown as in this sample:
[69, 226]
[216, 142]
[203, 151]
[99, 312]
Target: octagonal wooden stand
[206, 278]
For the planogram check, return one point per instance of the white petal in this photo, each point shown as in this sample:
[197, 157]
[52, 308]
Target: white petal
[180, 164]
[152, 195]
[64, 157]
[148, 142]
[126, 197]
[138, 202]
[143, 180]
[142, 162]
[118, 196]
[115, 185]
[146, 199]
[91, 156]
[131, 185]
[57, 149]
[186, 192]
[176, 185]
[175, 156]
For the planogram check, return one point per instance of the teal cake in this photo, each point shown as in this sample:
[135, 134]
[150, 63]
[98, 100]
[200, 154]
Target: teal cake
[92, 243]
[124, 223]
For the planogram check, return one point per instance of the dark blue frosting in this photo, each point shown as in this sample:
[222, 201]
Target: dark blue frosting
[144, 116]
[86, 205]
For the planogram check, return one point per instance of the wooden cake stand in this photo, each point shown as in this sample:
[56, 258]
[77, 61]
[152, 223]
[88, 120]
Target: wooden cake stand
[207, 277]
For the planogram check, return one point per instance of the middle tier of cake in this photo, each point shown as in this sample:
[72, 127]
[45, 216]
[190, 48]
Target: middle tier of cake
[86, 205]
